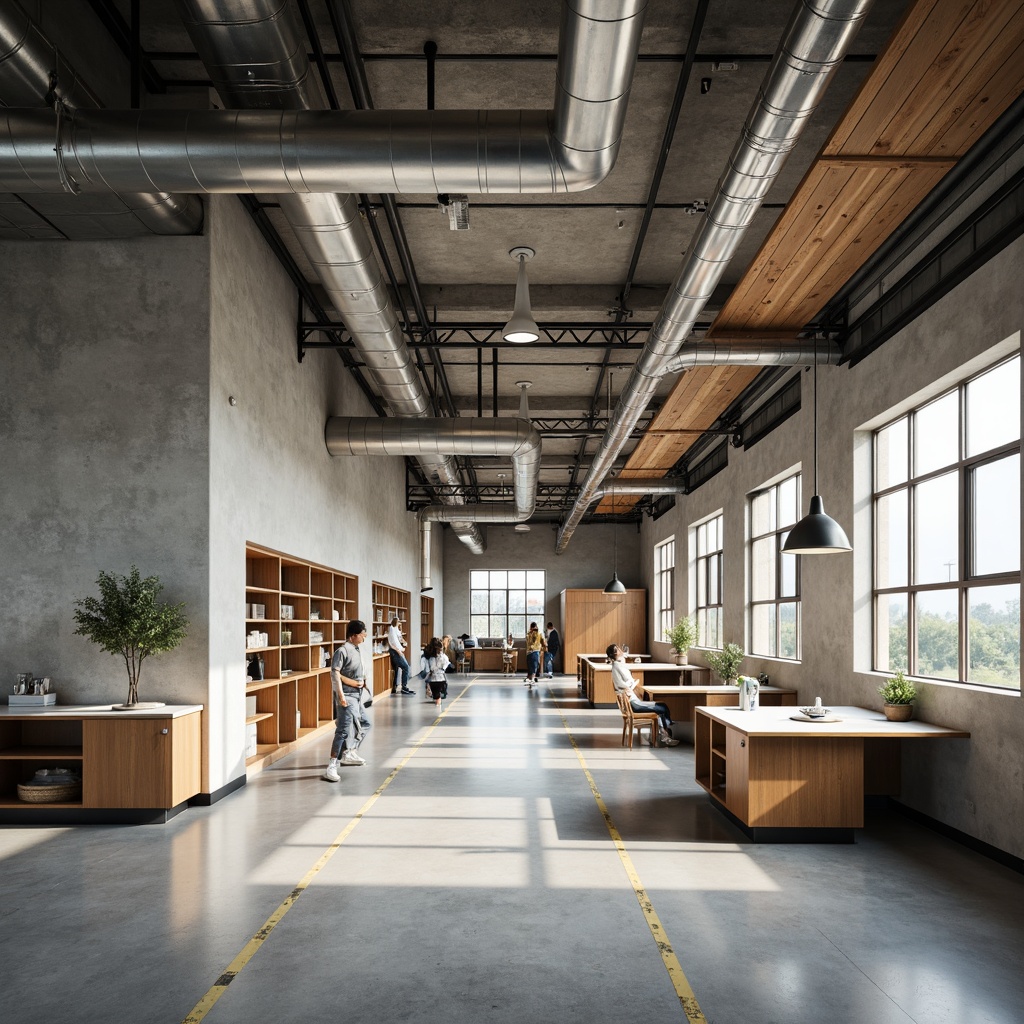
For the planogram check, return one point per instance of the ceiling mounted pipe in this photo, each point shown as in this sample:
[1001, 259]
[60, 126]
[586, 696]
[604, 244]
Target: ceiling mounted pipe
[813, 45]
[752, 353]
[295, 149]
[597, 53]
[27, 58]
[264, 33]
[515, 438]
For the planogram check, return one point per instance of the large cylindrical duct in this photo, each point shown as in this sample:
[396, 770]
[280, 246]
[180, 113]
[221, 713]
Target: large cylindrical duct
[27, 59]
[812, 48]
[294, 149]
[516, 438]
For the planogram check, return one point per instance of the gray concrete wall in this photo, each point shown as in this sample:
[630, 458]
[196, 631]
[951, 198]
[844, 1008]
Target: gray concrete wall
[977, 785]
[587, 562]
[272, 481]
[104, 448]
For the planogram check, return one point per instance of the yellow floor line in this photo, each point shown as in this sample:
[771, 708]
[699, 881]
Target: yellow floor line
[687, 999]
[253, 946]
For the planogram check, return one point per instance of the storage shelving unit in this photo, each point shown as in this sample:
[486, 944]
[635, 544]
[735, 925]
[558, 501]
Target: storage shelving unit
[136, 766]
[387, 602]
[426, 620]
[305, 610]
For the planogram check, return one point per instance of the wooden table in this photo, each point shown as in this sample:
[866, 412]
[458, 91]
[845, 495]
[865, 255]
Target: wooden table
[597, 678]
[683, 701]
[786, 781]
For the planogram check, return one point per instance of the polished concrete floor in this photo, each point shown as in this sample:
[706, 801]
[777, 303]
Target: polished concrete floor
[506, 861]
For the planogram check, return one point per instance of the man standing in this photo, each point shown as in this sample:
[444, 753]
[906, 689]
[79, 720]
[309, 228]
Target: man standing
[554, 642]
[349, 680]
[399, 662]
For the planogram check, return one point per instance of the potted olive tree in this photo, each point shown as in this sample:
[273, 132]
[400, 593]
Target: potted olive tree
[682, 636]
[127, 619]
[899, 694]
[726, 663]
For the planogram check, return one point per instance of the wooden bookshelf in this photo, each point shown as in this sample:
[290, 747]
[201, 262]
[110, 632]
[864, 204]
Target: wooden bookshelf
[387, 602]
[303, 609]
[426, 620]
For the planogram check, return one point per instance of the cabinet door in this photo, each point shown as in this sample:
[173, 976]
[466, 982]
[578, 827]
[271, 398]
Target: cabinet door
[140, 762]
[737, 774]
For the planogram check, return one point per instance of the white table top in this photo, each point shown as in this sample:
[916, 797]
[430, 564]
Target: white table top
[95, 711]
[698, 688]
[774, 721]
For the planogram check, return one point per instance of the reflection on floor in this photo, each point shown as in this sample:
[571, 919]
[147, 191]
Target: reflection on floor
[482, 884]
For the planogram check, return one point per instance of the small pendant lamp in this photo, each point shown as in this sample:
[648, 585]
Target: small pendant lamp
[816, 533]
[521, 328]
[615, 585]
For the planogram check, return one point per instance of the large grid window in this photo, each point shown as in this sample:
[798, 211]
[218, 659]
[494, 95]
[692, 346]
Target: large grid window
[947, 534]
[503, 601]
[664, 587]
[774, 577]
[706, 543]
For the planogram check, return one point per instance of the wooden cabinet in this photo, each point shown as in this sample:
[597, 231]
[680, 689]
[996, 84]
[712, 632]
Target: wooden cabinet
[135, 766]
[592, 619]
[296, 615]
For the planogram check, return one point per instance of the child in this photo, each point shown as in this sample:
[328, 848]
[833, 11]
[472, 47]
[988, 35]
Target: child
[435, 661]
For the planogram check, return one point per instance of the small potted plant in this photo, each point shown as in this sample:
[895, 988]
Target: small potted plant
[899, 694]
[726, 663]
[126, 619]
[682, 636]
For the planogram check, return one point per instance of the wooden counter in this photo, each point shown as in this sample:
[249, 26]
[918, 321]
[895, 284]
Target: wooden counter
[597, 678]
[136, 766]
[683, 701]
[786, 781]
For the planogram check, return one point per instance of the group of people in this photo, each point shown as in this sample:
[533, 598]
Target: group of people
[540, 646]
[352, 693]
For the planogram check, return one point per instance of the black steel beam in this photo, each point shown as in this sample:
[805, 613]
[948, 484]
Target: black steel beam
[121, 32]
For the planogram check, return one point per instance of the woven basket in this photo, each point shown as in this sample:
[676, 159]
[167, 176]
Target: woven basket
[51, 794]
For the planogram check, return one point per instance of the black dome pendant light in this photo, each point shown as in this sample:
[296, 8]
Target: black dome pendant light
[816, 533]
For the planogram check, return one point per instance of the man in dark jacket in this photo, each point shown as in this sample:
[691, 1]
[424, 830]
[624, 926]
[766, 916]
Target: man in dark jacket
[554, 642]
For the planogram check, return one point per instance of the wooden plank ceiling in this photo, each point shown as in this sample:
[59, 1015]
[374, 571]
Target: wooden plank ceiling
[949, 71]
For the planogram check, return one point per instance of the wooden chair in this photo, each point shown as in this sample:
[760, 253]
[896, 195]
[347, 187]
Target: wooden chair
[637, 720]
[508, 661]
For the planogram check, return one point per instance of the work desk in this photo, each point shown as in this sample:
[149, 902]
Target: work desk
[786, 781]
[596, 678]
[683, 701]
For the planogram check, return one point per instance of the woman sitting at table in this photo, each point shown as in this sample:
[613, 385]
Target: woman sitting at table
[625, 683]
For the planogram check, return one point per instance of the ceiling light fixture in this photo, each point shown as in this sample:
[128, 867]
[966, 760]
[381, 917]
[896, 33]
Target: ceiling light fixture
[521, 328]
[816, 533]
[614, 586]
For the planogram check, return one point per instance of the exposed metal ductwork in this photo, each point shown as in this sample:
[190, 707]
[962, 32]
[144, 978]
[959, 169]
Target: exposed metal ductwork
[813, 45]
[515, 438]
[574, 144]
[752, 353]
[263, 34]
[27, 59]
[301, 150]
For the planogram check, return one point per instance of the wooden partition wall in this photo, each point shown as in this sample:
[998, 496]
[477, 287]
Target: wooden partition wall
[592, 619]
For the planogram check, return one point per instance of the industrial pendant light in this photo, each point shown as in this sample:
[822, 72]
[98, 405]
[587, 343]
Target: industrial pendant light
[521, 328]
[615, 585]
[816, 533]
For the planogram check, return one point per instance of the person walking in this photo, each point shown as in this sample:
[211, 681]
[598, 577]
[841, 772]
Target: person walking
[554, 645]
[435, 661]
[535, 646]
[625, 683]
[399, 662]
[348, 679]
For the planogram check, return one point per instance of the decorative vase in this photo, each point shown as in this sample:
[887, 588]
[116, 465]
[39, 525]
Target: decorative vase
[899, 712]
[682, 658]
